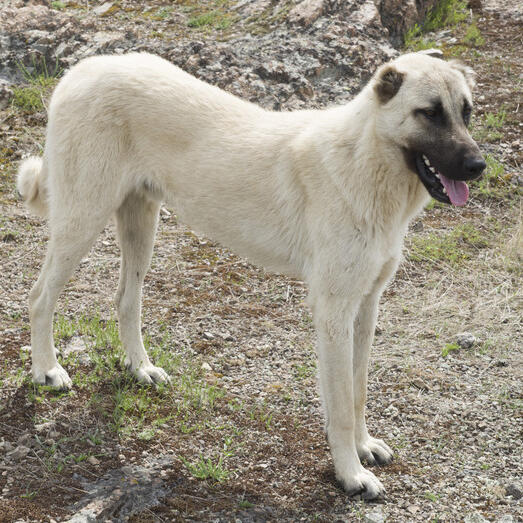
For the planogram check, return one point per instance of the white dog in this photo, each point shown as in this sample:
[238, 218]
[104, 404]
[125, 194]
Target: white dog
[321, 195]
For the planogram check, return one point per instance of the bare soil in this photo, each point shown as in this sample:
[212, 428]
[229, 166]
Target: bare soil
[242, 342]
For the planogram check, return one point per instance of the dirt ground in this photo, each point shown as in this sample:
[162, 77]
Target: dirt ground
[238, 436]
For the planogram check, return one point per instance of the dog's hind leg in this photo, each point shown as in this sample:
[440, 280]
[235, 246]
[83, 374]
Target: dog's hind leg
[68, 243]
[136, 221]
[372, 450]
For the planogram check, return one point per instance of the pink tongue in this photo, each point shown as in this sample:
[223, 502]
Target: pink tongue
[458, 191]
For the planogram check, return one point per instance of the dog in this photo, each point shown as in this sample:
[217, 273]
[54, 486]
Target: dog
[322, 195]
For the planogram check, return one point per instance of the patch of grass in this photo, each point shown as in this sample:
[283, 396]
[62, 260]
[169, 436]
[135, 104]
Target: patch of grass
[214, 19]
[448, 348]
[446, 13]
[431, 496]
[58, 5]
[30, 98]
[495, 182]
[207, 469]
[451, 248]
[488, 128]
[473, 36]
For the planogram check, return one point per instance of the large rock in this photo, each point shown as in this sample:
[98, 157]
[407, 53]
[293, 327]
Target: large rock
[322, 52]
[398, 15]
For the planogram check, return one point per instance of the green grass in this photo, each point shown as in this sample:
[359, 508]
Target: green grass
[58, 5]
[461, 243]
[446, 13]
[495, 182]
[488, 128]
[30, 97]
[448, 348]
[214, 19]
[207, 469]
[473, 36]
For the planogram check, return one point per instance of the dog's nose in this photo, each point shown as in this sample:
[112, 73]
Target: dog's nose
[474, 166]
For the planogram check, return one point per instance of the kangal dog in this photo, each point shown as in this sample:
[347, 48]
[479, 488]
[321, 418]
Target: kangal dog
[325, 196]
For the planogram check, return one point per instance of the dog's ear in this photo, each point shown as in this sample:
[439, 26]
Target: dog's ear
[388, 83]
[435, 53]
[466, 71]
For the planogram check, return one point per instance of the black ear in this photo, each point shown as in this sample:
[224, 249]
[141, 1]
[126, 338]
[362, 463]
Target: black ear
[388, 83]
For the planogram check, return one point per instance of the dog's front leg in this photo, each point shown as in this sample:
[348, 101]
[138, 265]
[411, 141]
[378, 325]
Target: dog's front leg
[334, 319]
[372, 450]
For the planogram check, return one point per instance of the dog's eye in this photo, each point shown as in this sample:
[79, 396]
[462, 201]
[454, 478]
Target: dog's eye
[428, 113]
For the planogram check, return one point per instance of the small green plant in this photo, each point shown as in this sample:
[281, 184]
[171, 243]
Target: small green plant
[30, 98]
[450, 248]
[58, 5]
[444, 14]
[431, 496]
[206, 469]
[448, 348]
[213, 19]
[488, 128]
[473, 36]
[495, 182]
[29, 494]
[245, 504]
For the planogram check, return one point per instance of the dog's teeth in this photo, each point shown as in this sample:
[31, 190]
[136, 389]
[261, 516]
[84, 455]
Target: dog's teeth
[444, 190]
[432, 170]
[426, 160]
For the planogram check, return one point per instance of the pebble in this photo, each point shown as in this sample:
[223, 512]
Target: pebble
[514, 490]
[376, 515]
[476, 517]
[466, 340]
[93, 461]
[19, 453]
[103, 9]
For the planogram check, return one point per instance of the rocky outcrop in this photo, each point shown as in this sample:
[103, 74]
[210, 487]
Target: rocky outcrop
[312, 54]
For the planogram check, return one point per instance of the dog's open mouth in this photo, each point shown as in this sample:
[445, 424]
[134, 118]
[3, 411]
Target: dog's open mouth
[439, 186]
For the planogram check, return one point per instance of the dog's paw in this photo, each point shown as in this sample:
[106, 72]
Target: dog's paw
[150, 374]
[374, 452]
[364, 484]
[55, 377]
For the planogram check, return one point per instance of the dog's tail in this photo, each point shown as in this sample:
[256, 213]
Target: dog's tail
[31, 183]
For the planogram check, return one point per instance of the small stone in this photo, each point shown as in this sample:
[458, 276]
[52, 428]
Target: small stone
[6, 446]
[104, 9]
[476, 517]
[375, 516]
[306, 12]
[413, 509]
[121, 457]
[514, 490]
[19, 453]
[93, 461]
[206, 367]
[208, 335]
[466, 340]
[5, 94]
[506, 518]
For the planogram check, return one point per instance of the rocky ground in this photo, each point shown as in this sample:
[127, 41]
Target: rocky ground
[238, 435]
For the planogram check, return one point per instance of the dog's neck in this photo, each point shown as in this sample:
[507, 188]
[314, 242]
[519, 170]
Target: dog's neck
[374, 168]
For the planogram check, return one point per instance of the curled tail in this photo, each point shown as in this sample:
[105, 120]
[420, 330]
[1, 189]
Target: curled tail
[32, 185]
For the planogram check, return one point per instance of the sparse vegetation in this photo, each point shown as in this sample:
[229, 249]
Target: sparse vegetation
[451, 248]
[30, 97]
[446, 13]
[239, 426]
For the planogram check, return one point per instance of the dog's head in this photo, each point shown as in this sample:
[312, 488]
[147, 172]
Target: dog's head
[425, 107]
